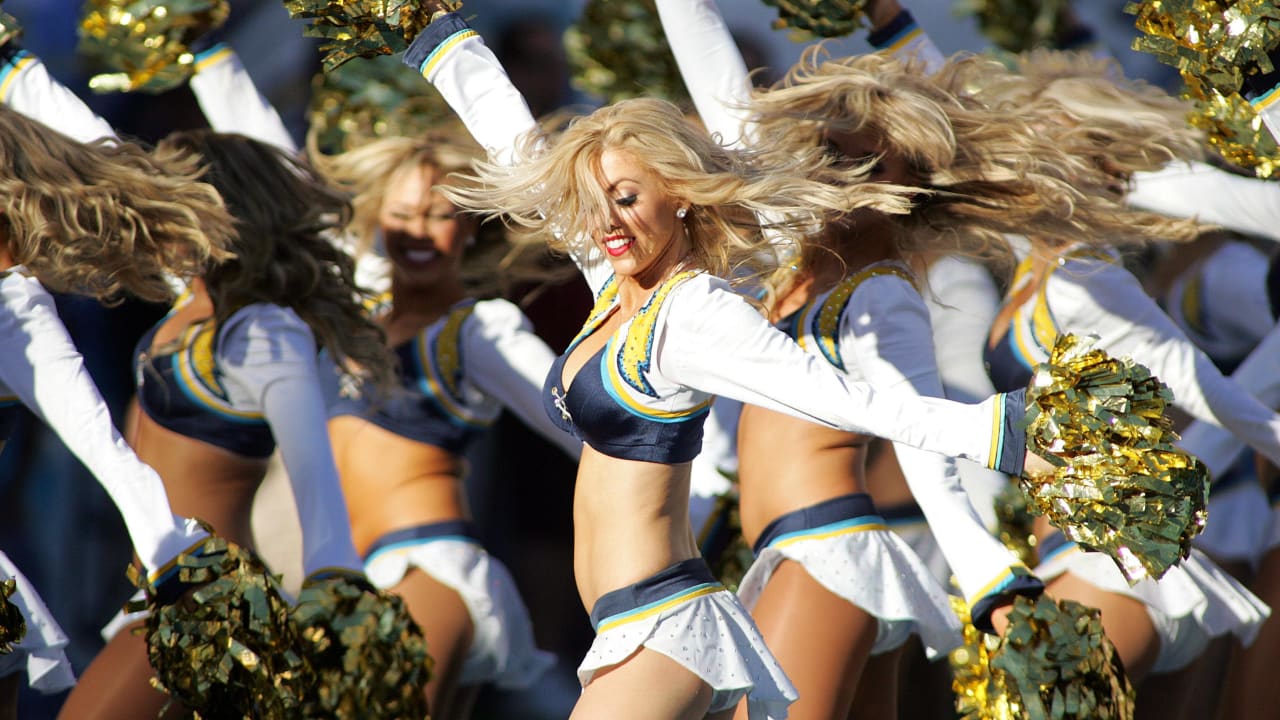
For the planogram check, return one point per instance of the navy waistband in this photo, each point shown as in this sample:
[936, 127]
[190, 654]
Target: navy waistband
[667, 582]
[907, 511]
[444, 530]
[1051, 544]
[845, 507]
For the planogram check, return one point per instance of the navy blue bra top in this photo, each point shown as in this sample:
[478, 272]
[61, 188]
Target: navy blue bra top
[434, 407]
[610, 403]
[182, 391]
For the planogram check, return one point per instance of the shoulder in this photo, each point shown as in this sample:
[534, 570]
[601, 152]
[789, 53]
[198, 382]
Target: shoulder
[497, 315]
[21, 291]
[264, 318]
[264, 333]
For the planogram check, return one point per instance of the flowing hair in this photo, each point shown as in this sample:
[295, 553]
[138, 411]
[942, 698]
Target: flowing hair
[739, 207]
[1087, 106]
[286, 221]
[985, 173]
[105, 218]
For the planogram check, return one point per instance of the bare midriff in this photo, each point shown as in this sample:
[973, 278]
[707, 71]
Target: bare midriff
[786, 464]
[391, 482]
[630, 520]
[203, 481]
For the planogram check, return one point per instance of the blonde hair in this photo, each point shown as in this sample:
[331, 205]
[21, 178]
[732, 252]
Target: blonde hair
[1087, 106]
[557, 191]
[106, 218]
[986, 173]
[286, 221]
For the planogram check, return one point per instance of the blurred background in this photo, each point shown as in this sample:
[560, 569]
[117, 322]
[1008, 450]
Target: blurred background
[58, 525]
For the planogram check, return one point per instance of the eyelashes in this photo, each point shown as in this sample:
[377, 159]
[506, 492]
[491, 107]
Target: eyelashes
[626, 201]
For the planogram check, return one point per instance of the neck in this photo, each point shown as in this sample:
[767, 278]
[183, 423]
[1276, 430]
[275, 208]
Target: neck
[856, 247]
[635, 290]
[429, 301]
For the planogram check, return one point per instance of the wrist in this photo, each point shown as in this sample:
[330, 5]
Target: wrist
[881, 13]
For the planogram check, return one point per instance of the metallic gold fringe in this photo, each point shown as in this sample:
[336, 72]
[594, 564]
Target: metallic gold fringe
[820, 18]
[1121, 486]
[368, 656]
[12, 625]
[374, 98]
[10, 28]
[1014, 525]
[146, 43]
[362, 28]
[603, 46]
[1054, 661]
[1214, 46]
[1017, 25]
[228, 649]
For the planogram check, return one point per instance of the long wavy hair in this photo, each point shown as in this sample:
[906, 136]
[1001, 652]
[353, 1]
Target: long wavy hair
[286, 221]
[740, 208]
[1086, 105]
[985, 173]
[106, 218]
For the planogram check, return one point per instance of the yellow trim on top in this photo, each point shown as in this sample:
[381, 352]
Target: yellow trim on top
[678, 600]
[217, 56]
[155, 575]
[905, 40]
[1001, 579]
[443, 49]
[621, 390]
[831, 533]
[18, 67]
[195, 369]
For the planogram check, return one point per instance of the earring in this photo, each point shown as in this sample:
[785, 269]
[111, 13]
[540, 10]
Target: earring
[682, 212]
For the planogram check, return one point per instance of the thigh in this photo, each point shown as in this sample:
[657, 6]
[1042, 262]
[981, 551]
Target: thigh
[446, 624]
[117, 684]
[821, 640]
[646, 686]
[1251, 679]
[1124, 619]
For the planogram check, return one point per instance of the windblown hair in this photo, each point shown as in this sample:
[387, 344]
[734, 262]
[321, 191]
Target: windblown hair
[1088, 107]
[984, 173]
[368, 170]
[556, 189]
[106, 218]
[286, 220]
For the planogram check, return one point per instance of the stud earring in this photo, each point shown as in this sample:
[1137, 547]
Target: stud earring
[682, 212]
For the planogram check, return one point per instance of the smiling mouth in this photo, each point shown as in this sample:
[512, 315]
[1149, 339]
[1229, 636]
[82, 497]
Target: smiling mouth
[420, 256]
[615, 245]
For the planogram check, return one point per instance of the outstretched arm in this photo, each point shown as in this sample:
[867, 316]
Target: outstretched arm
[42, 367]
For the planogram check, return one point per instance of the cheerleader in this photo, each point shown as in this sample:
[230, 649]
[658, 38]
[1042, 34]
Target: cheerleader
[99, 220]
[651, 208]
[854, 303]
[401, 462]
[232, 371]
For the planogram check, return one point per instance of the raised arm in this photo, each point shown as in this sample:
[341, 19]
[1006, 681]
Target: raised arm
[506, 360]
[232, 103]
[27, 86]
[711, 66]
[454, 59]
[42, 367]
[1090, 296]
[885, 331]
[268, 355]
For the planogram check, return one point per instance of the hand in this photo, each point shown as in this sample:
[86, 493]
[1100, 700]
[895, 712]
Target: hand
[1035, 465]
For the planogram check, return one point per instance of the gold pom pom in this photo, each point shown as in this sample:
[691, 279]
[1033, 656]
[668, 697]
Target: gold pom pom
[1054, 661]
[820, 18]
[10, 28]
[726, 550]
[227, 649]
[362, 28]
[1215, 46]
[602, 48]
[1120, 486]
[146, 43]
[374, 98]
[12, 625]
[368, 657]
[1018, 25]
